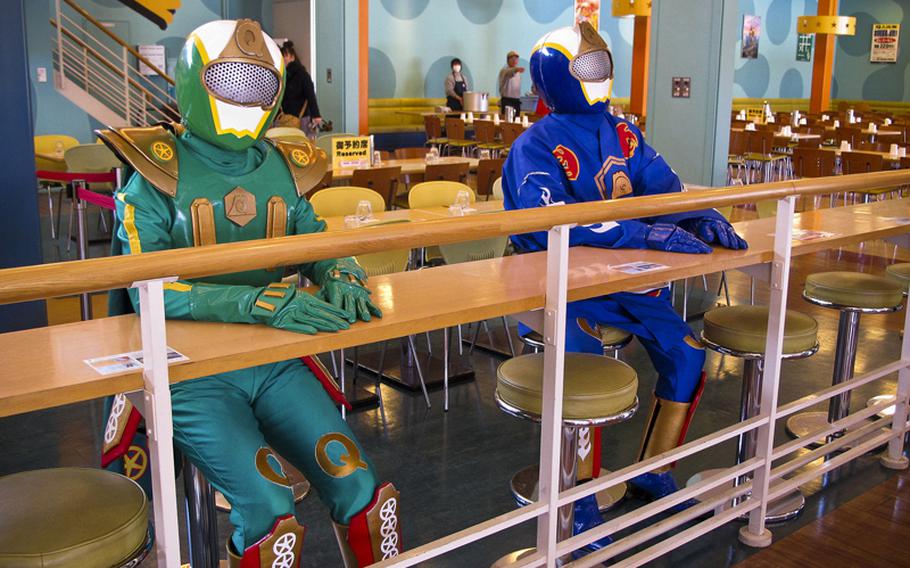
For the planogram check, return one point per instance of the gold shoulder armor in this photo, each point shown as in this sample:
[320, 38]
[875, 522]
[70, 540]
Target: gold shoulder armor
[150, 150]
[307, 163]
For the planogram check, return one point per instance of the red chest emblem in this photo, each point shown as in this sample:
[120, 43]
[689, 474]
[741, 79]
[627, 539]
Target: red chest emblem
[628, 141]
[568, 160]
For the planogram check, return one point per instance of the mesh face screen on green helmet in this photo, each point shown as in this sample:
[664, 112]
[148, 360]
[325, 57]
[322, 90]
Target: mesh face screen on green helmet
[229, 81]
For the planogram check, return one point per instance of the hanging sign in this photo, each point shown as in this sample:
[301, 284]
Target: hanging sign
[351, 152]
[804, 47]
[884, 43]
[155, 55]
[588, 11]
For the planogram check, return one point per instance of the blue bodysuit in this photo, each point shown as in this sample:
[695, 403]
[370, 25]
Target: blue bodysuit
[572, 158]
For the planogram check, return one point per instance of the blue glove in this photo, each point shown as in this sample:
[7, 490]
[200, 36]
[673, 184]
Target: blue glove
[672, 238]
[720, 232]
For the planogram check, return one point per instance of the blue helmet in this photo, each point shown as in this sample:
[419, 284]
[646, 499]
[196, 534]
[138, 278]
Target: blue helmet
[572, 69]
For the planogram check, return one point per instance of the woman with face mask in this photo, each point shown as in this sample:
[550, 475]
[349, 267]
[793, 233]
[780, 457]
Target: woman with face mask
[456, 84]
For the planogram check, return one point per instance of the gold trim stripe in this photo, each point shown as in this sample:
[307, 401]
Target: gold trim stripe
[277, 218]
[284, 285]
[177, 286]
[129, 223]
[273, 294]
[203, 216]
[265, 305]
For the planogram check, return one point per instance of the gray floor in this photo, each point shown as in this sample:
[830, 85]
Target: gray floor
[453, 468]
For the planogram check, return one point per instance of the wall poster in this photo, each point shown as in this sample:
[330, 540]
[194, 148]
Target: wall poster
[804, 47]
[751, 35]
[588, 10]
[884, 43]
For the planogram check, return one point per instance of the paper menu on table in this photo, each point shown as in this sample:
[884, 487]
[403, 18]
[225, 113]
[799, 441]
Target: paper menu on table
[637, 267]
[123, 362]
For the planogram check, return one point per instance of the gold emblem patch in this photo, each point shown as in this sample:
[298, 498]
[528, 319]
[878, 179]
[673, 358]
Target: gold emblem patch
[240, 206]
[135, 462]
[350, 460]
[693, 343]
[162, 151]
[621, 185]
[265, 468]
[299, 157]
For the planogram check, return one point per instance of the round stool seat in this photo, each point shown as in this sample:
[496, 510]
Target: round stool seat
[609, 336]
[71, 517]
[744, 329]
[854, 290]
[899, 273]
[597, 389]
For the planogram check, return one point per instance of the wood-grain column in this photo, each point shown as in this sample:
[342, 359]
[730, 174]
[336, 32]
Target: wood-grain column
[823, 63]
[363, 34]
[641, 49]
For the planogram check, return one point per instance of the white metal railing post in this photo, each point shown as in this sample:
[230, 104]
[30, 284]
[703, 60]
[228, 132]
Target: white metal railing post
[894, 458]
[554, 368]
[157, 398]
[126, 84]
[755, 534]
[60, 71]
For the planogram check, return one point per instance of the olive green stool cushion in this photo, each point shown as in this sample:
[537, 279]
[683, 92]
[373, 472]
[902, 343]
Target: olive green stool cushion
[744, 328]
[608, 336]
[70, 517]
[854, 289]
[595, 387]
[899, 273]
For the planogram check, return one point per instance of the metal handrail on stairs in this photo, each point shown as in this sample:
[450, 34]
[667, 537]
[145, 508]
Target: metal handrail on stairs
[107, 77]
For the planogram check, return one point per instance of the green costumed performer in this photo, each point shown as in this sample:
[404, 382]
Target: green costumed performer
[213, 179]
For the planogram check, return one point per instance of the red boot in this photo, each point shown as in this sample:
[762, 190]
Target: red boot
[374, 534]
[280, 548]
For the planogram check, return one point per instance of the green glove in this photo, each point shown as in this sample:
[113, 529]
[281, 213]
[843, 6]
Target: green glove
[279, 305]
[293, 310]
[351, 297]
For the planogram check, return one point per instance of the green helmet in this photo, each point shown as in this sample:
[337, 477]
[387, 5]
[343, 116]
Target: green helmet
[229, 81]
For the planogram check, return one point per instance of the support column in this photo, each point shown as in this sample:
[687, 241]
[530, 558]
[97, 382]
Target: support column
[363, 34]
[694, 39]
[641, 48]
[20, 229]
[823, 63]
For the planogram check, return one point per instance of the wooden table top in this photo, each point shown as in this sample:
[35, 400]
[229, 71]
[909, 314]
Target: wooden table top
[409, 215]
[409, 166]
[44, 367]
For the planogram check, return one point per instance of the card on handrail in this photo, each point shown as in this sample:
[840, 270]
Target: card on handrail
[637, 267]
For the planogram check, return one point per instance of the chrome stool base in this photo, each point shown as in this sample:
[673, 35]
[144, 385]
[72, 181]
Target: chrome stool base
[887, 412]
[513, 557]
[782, 509]
[301, 490]
[524, 489]
[805, 424]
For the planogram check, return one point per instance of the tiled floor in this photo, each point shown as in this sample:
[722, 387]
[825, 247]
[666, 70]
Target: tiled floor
[453, 468]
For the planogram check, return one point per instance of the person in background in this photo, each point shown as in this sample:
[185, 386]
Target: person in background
[299, 93]
[510, 84]
[456, 84]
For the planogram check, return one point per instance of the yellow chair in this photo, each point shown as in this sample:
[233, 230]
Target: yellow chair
[497, 189]
[90, 158]
[342, 200]
[49, 150]
[437, 194]
[767, 208]
[285, 133]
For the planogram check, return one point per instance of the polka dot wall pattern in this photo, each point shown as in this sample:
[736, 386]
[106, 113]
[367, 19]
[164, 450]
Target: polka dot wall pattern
[546, 11]
[382, 75]
[754, 77]
[791, 85]
[480, 11]
[779, 15]
[405, 9]
[871, 81]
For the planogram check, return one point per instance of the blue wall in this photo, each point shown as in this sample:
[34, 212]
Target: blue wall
[54, 114]
[775, 73]
[413, 41]
[854, 76]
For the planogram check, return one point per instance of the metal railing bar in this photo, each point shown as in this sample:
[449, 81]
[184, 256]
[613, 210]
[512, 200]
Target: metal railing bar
[465, 536]
[834, 390]
[689, 448]
[613, 526]
[793, 445]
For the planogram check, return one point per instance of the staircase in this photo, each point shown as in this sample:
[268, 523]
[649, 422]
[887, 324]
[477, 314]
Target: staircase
[100, 73]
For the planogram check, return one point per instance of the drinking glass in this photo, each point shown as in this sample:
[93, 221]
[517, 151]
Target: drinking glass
[463, 199]
[484, 154]
[351, 221]
[364, 210]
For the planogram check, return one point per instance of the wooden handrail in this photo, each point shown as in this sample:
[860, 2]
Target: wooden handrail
[117, 39]
[63, 278]
[111, 66]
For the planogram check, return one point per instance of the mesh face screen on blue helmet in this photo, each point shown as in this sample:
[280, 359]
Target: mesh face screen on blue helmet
[593, 66]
